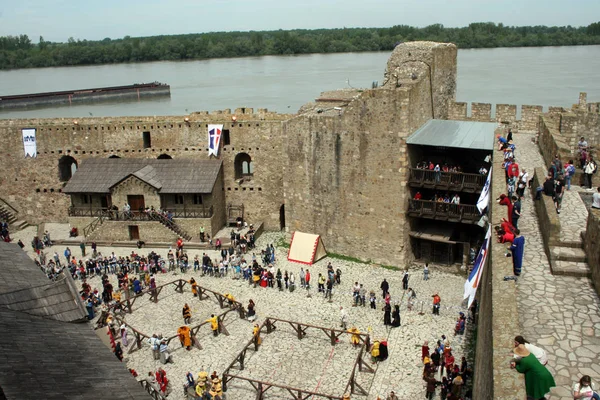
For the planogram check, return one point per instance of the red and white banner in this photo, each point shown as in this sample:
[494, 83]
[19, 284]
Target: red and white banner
[214, 139]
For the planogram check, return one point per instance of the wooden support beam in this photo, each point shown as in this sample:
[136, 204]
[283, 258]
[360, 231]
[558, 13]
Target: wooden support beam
[154, 294]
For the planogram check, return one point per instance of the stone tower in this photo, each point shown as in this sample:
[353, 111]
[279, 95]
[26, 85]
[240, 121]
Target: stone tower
[346, 157]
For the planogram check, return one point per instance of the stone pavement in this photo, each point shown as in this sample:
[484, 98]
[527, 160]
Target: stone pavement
[559, 313]
[401, 372]
[573, 215]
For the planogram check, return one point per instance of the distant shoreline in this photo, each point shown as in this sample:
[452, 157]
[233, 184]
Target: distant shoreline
[18, 52]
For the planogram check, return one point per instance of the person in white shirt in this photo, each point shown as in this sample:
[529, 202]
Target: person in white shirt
[596, 199]
[539, 353]
[584, 389]
[455, 199]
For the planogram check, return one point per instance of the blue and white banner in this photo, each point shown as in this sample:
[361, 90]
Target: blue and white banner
[214, 139]
[29, 143]
[475, 277]
[484, 197]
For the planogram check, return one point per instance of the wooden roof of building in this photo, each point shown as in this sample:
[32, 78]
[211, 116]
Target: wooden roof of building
[46, 359]
[25, 288]
[43, 353]
[99, 175]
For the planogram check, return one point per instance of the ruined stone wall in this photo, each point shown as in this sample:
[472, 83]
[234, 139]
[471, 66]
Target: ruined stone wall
[33, 187]
[591, 245]
[345, 176]
[440, 60]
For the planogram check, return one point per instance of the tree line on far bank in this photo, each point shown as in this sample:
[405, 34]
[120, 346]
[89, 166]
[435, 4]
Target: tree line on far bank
[21, 52]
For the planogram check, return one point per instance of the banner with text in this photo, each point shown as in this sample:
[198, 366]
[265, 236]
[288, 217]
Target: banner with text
[214, 139]
[29, 142]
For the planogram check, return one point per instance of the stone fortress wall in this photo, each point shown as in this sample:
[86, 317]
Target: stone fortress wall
[33, 185]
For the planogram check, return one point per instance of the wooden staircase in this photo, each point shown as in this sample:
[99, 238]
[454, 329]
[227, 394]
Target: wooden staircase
[171, 225]
[10, 215]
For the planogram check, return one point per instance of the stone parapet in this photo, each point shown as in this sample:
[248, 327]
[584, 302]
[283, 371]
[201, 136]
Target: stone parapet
[591, 245]
[507, 383]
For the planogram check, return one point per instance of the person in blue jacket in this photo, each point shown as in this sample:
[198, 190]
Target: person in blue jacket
[517, 249]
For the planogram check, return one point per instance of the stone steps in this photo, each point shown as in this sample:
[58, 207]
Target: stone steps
[571, 268]
[573, 254]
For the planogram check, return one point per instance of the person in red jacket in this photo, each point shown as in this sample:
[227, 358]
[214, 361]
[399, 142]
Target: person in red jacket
[513, 170]
[504, 200]
[307, 278]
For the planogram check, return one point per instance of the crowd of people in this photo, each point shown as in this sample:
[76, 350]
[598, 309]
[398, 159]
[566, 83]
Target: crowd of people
[441, 369]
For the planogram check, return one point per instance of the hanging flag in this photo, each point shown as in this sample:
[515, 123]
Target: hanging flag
[29, 142]
[475, 276]
[214, 139]
[484, 197]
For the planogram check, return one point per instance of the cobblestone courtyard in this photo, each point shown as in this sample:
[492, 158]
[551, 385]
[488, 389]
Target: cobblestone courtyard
[401, 372]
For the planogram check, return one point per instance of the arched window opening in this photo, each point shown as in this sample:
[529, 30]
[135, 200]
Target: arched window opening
[66, 168]
[164, 157]
[114, 156]
[243, 166]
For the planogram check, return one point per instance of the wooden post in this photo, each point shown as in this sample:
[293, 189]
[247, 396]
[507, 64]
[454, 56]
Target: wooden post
[259, 391]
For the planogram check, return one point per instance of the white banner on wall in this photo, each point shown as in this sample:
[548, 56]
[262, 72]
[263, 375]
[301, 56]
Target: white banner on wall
[29, 142]
[214, 139]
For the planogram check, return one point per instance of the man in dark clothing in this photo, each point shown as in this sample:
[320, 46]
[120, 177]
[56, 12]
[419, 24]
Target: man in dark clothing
[405, 281]
[549, 186]
[385, 287]
[516, 211]
[558, 194]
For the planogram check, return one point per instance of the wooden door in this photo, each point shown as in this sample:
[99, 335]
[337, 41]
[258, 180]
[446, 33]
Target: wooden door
[136, 202]
[134, 232]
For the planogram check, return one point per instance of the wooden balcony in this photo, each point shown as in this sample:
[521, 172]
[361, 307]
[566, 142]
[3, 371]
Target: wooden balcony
[449, 181]
[464, 213]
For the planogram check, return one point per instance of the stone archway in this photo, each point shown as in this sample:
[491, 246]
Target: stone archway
[67, 166]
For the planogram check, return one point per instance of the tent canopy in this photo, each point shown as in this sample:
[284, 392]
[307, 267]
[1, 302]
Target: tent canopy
[306, 248]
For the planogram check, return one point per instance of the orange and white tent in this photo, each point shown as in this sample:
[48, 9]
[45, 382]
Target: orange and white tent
[306, 248]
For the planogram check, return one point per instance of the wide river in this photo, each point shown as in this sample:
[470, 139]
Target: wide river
[534, 75]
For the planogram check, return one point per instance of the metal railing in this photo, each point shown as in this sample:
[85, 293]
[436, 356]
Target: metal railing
[446, 180]
[443, 211]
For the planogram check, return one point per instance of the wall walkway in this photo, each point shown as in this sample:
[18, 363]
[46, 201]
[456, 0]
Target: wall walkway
[558, 313]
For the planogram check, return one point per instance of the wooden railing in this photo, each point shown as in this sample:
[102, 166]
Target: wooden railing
[443, 211]
[456, 181]
[137, 215]
[93, 225]
[87, 212]
[155, 394]
[193, 213]
[9, 208]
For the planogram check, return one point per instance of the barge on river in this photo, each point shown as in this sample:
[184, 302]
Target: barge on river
[134, 92]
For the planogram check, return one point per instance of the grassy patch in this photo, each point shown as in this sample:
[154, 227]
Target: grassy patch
[347, 258]
[391, 267]
[281, 242]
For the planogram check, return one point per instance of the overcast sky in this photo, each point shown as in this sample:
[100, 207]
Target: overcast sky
[57, 20]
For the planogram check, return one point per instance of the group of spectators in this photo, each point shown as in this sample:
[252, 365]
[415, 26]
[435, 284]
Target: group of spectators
[441, 363]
